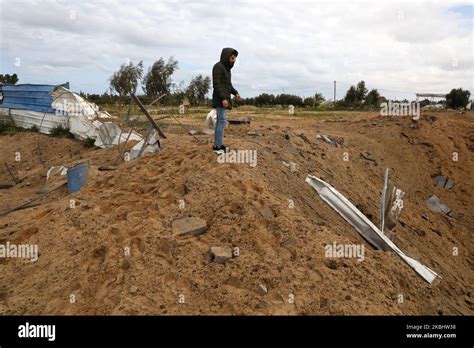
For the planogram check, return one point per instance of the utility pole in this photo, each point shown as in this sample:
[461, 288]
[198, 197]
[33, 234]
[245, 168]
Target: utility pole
[334, 93]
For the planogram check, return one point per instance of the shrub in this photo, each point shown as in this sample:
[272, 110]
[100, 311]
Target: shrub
[457, 98]
[60, 132]
[89, 142]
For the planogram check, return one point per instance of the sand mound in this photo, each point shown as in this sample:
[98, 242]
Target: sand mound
[247, 108]
[115, 252]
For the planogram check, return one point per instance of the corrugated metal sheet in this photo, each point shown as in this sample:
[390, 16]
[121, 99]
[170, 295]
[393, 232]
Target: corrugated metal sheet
[28, 97]
[44, 121]
[364, 226]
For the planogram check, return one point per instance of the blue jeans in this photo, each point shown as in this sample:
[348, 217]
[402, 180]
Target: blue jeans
[220, 124]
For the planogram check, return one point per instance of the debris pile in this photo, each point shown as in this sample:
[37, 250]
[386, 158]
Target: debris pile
[364, 226]
[62, 107]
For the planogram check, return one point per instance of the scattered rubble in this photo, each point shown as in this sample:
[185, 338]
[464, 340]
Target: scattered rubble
[367, 156]
[326, 139]
[221, 254]
[364, 226]
[435, 204]
[254, 133]
[152, 145]
[443, 182]
[262, 290]
[291, 165]
[109, 134]
[106, 168]
[189, 226]
[189, 185]
[56, 170]
[305, 138]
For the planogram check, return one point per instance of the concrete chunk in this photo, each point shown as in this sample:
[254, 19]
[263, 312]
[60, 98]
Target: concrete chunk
[221, 254]
[189, 226]
[267, 212]
[254, 133]
[326, 139]
[262, 290]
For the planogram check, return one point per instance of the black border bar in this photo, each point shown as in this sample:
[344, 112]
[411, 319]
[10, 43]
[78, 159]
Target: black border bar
[221, 330]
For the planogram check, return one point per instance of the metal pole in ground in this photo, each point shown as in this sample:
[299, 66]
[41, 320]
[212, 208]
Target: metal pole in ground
[11, 174]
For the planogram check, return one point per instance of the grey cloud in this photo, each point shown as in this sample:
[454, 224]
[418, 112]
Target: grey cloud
[284, 45]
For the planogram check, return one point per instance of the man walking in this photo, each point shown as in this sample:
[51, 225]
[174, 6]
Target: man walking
[222, 85]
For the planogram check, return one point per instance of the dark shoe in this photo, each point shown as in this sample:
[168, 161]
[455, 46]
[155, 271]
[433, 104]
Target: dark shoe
[218, 150]
[224, 148]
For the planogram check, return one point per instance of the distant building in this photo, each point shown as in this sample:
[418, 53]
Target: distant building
[431, 96]
[431, 100]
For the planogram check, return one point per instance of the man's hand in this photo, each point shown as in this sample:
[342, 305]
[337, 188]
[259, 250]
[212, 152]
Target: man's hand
[237, 97]
[225, 104]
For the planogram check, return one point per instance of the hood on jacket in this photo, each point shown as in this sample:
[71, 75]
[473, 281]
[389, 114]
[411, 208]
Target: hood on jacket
[225, 54]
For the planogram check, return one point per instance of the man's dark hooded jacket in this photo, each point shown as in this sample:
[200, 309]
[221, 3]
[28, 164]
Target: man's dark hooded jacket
[221, 79]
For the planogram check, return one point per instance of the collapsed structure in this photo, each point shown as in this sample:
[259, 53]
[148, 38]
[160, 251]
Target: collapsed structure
[29, 106]
[49, 106]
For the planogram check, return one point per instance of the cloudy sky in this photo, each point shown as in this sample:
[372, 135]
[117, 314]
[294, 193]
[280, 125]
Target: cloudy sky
[284, 46]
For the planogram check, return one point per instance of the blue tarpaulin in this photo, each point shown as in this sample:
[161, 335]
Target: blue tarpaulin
[28, 97]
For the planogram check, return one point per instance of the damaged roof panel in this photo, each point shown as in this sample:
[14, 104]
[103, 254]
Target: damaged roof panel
[364, 226]
[28, 97]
